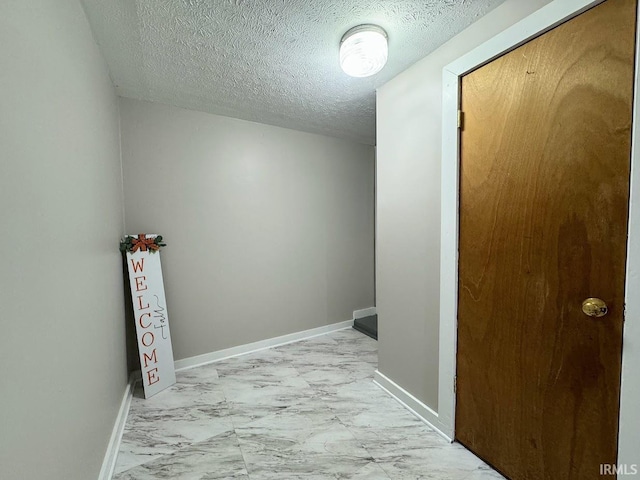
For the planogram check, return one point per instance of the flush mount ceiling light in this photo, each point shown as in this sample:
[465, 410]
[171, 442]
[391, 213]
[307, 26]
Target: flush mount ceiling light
[363, 50]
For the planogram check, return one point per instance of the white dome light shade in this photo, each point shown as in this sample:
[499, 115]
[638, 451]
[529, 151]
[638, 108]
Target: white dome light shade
[363, 51]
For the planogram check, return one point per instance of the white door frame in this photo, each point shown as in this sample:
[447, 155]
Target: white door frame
[543, 20]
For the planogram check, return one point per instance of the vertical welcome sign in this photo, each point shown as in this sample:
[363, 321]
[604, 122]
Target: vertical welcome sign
[150, 312]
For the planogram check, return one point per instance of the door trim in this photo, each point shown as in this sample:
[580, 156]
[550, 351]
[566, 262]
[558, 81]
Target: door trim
[539, 22]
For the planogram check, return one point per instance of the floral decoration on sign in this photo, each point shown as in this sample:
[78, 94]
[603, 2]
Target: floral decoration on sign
[142, 243]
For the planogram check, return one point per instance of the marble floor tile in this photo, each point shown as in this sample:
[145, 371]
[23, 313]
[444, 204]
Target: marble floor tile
[185, 393]
[292, 431]
[206, 374]
[179, 416]
[305, 410]
[484, 472]
[437, 464]
[244, 363]
[326, 377]
[215, 458]
[158, 432]
[362, 399]
[319, 466]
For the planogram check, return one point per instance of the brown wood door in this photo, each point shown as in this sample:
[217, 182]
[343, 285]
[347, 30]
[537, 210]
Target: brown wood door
[543, 223]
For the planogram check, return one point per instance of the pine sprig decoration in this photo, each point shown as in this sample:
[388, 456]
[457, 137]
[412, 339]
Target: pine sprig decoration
[142, 243]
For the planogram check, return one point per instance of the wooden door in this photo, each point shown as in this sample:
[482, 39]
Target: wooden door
[543, 223]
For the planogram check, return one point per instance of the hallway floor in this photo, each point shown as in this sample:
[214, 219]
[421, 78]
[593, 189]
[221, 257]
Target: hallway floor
[306, 410]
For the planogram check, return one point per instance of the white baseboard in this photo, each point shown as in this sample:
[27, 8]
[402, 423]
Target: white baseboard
[411, 403]
[111, 455]
[365, 312]
[199, 360]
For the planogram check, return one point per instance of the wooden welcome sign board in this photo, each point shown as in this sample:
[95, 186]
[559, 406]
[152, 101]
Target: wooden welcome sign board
[150, 312]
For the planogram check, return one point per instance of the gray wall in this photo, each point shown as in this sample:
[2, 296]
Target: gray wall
[269, 230]
[62, 354]
[409, 138]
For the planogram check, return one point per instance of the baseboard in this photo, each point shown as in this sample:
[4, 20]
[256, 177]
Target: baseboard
[199, 360]
[111, 455]
[411, 403]
[365, 312]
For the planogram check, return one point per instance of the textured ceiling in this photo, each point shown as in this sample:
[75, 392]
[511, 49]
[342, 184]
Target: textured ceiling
[269, 61]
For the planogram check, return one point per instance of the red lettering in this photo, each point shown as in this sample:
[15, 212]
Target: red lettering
[140, 320]
[150, 341]
[152, 377]
[139, 283]
[148, 358]
[140, 307]
[137, 266]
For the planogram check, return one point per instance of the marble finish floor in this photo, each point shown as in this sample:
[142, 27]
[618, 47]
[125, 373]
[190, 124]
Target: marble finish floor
[306, 410]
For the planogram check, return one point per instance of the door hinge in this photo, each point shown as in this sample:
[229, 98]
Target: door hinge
[460, 119]
[455, 384]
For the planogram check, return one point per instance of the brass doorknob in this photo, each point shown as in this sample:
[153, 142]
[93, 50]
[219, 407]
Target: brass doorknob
[594, 307]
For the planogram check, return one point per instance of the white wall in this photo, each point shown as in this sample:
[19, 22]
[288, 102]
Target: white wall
[629, 434]
[62, 354]
[409, 137]
[269, 230]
